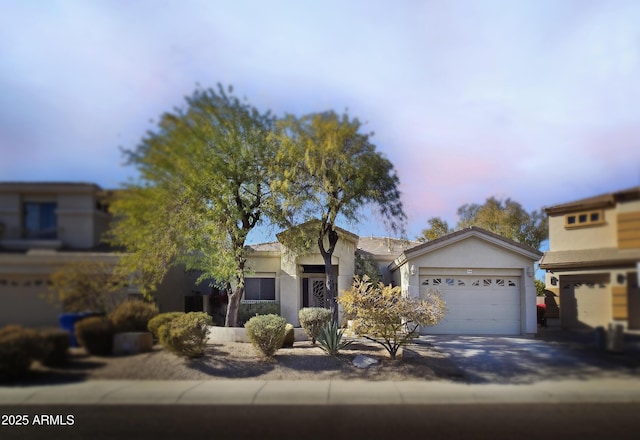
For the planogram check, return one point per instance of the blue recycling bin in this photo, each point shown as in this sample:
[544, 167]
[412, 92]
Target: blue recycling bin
[68, 322]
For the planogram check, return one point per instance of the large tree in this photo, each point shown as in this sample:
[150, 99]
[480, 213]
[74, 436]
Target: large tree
[338, 171]
[204, 184]
[503, 217]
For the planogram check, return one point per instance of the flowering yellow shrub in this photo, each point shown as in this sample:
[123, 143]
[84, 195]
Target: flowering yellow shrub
[383, 315]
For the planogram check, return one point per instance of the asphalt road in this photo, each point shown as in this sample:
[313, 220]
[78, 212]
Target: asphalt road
[521, 422]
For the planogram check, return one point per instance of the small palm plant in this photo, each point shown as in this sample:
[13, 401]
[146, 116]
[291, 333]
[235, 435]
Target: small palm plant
[330, 339]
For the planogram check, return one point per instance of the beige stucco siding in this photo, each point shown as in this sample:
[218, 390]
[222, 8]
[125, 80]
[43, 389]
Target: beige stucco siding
[586, 237]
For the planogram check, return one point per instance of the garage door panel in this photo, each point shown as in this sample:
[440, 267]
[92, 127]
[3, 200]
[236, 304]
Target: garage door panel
[476, 305]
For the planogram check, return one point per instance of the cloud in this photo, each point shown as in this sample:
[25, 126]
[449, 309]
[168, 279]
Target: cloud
[536, 101]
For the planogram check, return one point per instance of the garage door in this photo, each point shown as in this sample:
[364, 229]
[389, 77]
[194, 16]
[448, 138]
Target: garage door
[487, 305]
[23, 301]
[585, 301]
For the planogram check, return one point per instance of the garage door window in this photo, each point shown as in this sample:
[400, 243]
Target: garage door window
[482, 283]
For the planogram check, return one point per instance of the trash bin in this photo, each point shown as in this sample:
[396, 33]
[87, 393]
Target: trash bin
[68, 322]
[600, 338]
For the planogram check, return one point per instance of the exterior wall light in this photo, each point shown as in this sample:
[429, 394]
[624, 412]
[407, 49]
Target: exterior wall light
[412, 270]
[529, 271]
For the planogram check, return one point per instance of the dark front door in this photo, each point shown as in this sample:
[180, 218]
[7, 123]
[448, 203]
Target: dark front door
[313, 292]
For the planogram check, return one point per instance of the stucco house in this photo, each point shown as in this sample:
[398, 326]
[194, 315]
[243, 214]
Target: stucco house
[486, 280]
[593, 259]
[46, 225]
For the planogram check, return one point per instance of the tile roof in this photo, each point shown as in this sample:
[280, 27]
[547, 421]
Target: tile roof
[603, 257]
[600, 201]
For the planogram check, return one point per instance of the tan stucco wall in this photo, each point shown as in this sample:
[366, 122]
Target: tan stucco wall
[587, 237]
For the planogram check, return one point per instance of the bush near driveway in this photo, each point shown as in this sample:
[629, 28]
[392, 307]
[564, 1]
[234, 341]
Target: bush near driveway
[383, 315]
[266, 333]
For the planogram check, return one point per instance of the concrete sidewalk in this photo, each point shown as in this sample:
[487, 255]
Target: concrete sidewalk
[328, 392]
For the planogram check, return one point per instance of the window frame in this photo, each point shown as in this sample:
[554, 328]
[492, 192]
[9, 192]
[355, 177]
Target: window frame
[43, 231]
[260, 291]
[575, 220]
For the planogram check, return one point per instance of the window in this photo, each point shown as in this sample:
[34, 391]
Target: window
[260, 289]
[588, 218]
[40, 221]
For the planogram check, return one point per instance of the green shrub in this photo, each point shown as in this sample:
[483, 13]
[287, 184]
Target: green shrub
[248, 311]
[289, 336]
[312, 319]
[266, 333]
[18, 347]
[95, 334]
[133, 316]
[330, 339]
[54, 346]
[186, 335]
[159, 320]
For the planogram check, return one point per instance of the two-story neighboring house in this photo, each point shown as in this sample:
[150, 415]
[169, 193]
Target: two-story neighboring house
[47, 225]
[593, 258]
[42, 227]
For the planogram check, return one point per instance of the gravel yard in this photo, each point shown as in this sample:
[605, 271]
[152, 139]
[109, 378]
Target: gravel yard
[236, 360]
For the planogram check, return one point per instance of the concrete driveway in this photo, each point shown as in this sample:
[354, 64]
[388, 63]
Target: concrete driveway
[521, 360]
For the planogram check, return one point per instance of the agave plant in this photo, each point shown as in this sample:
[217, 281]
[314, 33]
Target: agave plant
[330, 339]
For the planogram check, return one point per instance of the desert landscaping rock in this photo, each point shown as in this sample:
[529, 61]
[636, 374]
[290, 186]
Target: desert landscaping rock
[237, 360]
[362, 361]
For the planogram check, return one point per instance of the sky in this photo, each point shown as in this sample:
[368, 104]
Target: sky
[537, 101]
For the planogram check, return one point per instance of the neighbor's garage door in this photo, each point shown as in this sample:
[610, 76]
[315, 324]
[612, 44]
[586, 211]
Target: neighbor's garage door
[487, 305]
[24, 301]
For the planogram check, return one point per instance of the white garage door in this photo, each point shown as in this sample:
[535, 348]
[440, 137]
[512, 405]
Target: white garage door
[486, 305]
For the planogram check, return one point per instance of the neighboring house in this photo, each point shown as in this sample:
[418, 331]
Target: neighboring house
[593, 258]
[486, 280]
[44, 226]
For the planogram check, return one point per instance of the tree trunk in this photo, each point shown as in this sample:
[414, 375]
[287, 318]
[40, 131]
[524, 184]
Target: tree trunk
[231, 320]
[331, 285]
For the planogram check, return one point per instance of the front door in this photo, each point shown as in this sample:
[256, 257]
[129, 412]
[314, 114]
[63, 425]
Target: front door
[313, 292]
